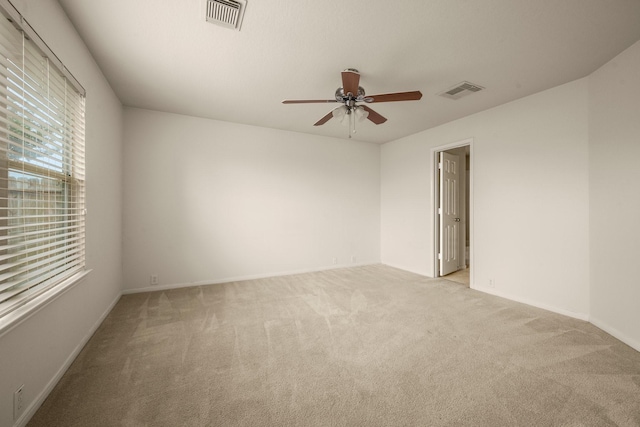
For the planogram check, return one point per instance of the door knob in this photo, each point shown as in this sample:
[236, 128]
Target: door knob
[456, 219]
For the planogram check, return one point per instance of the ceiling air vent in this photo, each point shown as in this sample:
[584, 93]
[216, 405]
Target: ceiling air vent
[226, 13]
[460, 90]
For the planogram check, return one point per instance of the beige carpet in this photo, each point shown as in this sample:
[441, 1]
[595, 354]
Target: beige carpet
[366, 346]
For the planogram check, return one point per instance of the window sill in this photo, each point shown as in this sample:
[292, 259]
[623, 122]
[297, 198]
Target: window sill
[22, 313]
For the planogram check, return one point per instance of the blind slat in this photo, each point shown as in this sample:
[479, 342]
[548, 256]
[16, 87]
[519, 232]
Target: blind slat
[53, 233]
[24, 246]
[47, 246]
[49, 263]
[31, 258]
[9, 229]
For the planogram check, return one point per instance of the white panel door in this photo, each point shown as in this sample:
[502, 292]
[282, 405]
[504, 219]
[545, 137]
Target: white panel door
[449, 213]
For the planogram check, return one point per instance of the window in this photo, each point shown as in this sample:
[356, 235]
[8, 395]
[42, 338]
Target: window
[42, 224]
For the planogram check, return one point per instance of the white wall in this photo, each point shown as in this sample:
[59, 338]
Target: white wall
[38, 350]
[614, 174]
[530, 205]
[209, 201]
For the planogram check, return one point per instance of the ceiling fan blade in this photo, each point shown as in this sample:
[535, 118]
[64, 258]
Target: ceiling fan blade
[398, 96]
[373, 116]
[350, 82]
[324, 120]
[308, 101]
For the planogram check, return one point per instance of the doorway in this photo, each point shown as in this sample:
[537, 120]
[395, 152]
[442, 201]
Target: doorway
[453, 208]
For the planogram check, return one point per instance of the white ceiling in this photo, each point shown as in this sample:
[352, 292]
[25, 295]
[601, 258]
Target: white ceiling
[163, 55]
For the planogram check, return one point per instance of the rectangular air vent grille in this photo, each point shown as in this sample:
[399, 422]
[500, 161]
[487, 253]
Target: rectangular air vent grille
[226, 13]
[460, 90]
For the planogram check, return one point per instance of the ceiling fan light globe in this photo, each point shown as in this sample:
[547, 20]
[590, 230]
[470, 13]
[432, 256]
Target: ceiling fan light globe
[339, 112]
[361, 114]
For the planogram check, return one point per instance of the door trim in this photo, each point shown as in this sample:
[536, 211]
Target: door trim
[435, 151]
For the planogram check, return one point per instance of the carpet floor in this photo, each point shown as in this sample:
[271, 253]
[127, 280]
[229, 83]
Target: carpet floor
[363, 346]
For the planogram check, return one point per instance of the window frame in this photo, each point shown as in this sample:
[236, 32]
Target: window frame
[35, 296]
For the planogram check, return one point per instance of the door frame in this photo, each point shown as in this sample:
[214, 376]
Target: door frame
[435, 201]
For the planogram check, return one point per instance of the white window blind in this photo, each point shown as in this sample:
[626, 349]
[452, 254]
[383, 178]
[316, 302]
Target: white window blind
[42, 224]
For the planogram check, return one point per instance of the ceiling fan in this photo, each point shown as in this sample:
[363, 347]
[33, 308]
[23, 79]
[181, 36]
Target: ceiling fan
[350, 94]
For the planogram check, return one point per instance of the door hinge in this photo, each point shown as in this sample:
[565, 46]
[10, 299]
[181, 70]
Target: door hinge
[440, 256]
[439, 211]
[440, 165]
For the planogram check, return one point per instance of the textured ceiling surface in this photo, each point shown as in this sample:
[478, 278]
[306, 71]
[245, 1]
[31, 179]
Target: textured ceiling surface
[163, 55]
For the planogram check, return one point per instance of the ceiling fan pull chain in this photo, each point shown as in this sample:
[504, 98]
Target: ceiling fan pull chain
[352, 122]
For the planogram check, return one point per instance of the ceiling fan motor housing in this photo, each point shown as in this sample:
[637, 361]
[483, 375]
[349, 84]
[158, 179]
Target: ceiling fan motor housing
[343, 97]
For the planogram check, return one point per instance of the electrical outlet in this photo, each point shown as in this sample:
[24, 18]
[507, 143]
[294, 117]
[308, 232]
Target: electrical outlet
[492, 283]
[18, 403]
[335, 260]
[353, 258]
[154, 279]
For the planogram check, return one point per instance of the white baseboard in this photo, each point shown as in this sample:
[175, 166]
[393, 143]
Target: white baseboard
[573, 314]
[615, 333]
[410, 270]
[240, 278]
[37, 402]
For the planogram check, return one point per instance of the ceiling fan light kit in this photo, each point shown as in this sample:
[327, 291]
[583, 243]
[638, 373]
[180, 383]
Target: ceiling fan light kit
[350, 94]
[349, 116]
